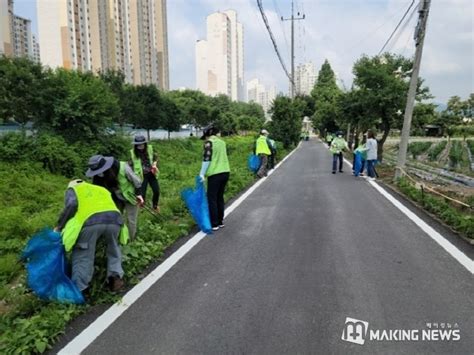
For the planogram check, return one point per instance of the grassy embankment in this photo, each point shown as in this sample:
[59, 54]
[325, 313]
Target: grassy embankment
[31, 199]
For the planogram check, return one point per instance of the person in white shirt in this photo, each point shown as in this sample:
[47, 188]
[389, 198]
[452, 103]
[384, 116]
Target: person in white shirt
[371, 147]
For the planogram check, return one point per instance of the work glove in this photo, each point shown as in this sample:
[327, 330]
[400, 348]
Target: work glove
[202, 178]
[140, 201]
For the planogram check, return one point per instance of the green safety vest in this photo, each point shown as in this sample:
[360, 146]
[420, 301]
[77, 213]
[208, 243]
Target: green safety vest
[137, 162]
[220, 162]
[337, 145]
[91, 199]
[328, 138]
[125, 186]
[262, 146]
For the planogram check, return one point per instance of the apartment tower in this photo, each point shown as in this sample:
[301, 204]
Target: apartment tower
[219, 58]
[125, 35]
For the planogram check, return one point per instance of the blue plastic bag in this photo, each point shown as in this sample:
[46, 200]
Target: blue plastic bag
[196, 201]
[46, 269]
[357, 163]
[253, 163]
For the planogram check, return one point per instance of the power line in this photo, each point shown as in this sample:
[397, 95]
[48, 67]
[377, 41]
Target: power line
[398, 25]
[278, 12]
[402, 30]
[267, 25]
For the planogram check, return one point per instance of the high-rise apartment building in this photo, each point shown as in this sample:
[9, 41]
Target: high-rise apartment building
[6, 27]
[16, 37]
[219, 58]
[305, 78]
[22, 37]
[256, 92]
[126, 35]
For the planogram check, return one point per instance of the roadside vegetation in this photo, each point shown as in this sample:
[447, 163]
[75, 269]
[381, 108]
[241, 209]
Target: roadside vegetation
[31, 199]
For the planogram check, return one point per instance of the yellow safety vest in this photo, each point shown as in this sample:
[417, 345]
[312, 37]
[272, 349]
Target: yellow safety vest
[91, 199]
[262, 146]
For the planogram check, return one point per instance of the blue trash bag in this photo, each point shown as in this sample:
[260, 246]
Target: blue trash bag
[46, 269]
[196, 201]
[253, 163]
[357, 163]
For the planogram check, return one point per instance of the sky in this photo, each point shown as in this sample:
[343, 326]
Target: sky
[338, 30]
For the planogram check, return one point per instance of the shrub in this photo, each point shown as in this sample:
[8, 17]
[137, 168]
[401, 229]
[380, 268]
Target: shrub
[417, 148]
[436, 151]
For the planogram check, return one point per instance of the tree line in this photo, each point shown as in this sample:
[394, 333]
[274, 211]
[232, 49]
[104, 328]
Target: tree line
[82, 106]
[377, 101]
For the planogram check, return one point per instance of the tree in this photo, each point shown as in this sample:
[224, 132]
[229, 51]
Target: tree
[80, 106]
[286, 121]
[171, 115]
[146, 110]
[21, 86]
[325, 94]
[382, 81]
[194, 106]
[115, 80]
[423, 114]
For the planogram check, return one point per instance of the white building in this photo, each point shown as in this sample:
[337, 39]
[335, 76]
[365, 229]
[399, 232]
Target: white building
[305, 78]
[219, 58]
[6, 25]
[126, 35]
[256, 92]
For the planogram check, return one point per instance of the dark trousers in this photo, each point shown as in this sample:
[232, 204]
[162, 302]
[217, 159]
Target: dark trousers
[215, 197]
[371, 168]
[263, 165]
[271, 161]
[151, 179]
[334, 161]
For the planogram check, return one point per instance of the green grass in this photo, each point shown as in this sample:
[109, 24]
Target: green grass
[461, 220]
[31, 199]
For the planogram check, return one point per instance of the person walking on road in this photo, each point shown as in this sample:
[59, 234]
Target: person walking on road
[144, 162]
[338, 145]
[89, 214]
[215, 166]
[262, 149]
[371, 147]
[122, 182]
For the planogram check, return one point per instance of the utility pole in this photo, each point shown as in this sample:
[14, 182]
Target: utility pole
[293, 19]
[420, 31]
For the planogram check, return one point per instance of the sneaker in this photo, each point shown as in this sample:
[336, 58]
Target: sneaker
[156, 209]
[333, 172]
[221, 225]
[341, 171]
[371, 178]
[115, 283]
[215, 228]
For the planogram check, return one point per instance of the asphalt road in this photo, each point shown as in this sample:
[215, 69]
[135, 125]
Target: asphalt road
[303, 252]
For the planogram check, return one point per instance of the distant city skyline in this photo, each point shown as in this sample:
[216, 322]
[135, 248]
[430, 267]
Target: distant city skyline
[338, 30]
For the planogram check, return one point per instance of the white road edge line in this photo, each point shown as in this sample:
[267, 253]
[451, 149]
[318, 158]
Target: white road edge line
[462, 258]
[97, 327]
